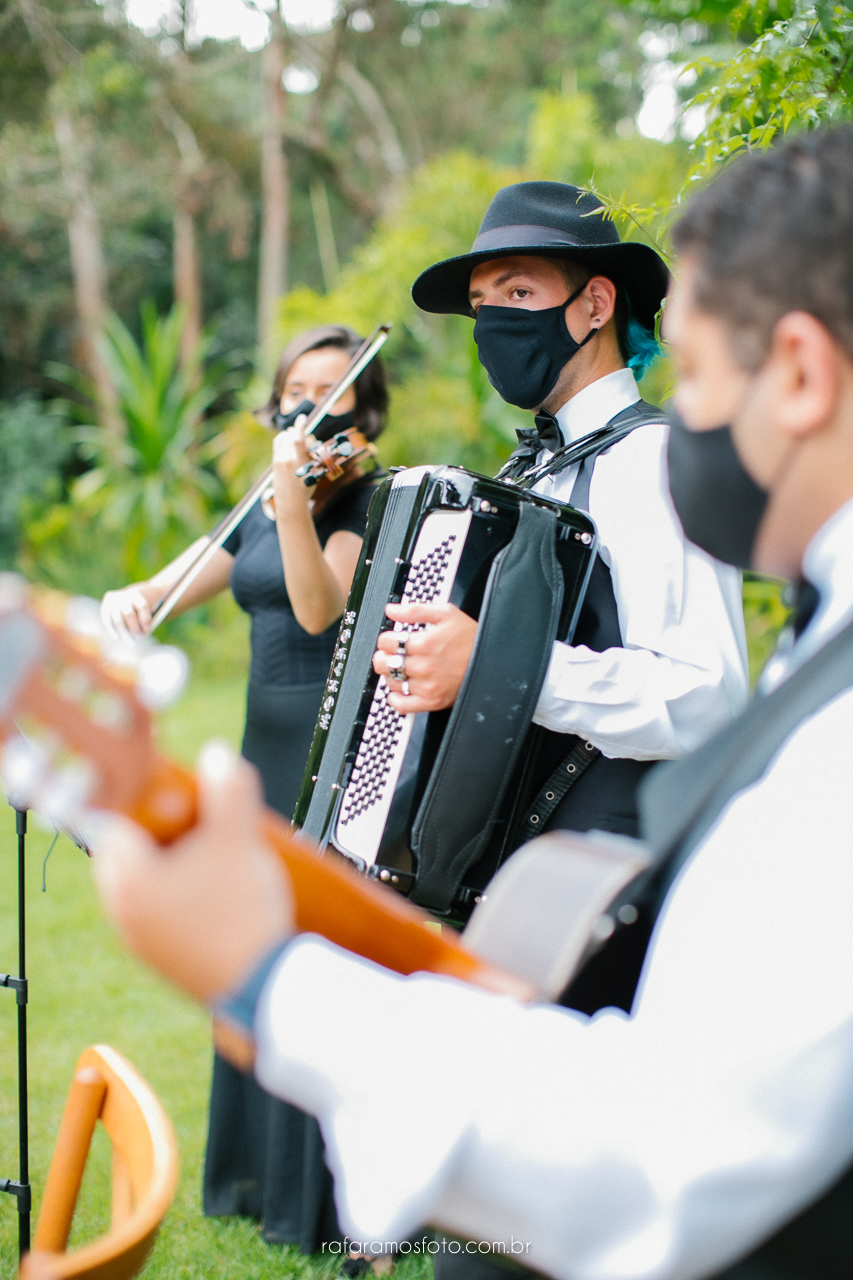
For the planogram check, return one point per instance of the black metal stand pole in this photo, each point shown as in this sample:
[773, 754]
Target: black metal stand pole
[20, 1189]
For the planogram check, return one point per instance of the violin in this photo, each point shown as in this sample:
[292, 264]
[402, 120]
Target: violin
[334, 463]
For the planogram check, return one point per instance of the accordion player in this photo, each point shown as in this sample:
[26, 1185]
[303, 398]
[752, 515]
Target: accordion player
[432, 803]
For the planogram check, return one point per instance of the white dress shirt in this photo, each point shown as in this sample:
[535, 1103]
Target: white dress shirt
[653, 1147]
[682, 673]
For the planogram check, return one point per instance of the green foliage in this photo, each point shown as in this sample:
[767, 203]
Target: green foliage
[148, 493]
[436, 214]
[765, 614]
[66, 548]
[454, 417]
[442, 407]
[797, 71]
[567, 143]
[35, 443]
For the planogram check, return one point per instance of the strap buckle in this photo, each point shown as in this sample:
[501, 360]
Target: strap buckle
[561, 781]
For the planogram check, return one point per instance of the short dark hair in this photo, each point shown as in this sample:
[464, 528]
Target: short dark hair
[371, 390]
[637, 344]
[773, 234]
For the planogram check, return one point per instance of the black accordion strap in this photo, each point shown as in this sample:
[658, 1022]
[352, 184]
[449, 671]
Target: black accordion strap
[596, 442]
[561, 781]
[582, 754]
[486, 729]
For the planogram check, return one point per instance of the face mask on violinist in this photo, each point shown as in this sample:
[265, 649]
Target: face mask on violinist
[716, 499]
[525, 351]
[330, 426]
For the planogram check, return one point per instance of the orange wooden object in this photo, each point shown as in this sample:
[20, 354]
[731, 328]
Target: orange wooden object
[71, 692]
[69, 1158]
[145, 1154]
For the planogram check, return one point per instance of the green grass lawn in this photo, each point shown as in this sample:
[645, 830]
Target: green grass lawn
[85, 989]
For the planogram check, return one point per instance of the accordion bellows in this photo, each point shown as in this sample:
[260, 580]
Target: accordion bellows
[431, 802]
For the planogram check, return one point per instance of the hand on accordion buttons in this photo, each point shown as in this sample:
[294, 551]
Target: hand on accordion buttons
[436, 658]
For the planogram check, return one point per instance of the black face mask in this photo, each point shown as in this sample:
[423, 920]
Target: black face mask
[716, 499]
[523, 351]
[330, 426]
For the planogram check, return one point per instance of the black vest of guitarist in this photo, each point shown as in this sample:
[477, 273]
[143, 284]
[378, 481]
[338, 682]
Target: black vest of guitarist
[679, 803]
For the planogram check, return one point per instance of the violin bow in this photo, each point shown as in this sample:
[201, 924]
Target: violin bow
[229, 523]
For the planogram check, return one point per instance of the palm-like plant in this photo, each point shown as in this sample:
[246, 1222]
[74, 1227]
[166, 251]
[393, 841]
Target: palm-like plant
[150, 487]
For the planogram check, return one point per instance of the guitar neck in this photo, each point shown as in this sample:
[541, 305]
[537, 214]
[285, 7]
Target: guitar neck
[333, 900]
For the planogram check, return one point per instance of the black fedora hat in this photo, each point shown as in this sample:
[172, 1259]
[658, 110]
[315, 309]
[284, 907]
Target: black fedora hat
[548, 219]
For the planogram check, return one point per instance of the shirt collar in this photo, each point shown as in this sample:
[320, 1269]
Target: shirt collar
[593, 407]
[828, 565]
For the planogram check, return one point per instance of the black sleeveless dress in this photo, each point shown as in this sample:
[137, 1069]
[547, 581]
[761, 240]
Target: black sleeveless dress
[265, 1158]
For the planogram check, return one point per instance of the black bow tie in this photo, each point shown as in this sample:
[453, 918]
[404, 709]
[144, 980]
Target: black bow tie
[548, 431]
[531, 441]
[545, 435]
[806, 601]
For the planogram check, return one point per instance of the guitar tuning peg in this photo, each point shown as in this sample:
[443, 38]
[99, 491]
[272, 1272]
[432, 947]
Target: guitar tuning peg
[124, 652]
[162, 675]
[23, 766]
[13, 592]
[83, 618]
[62, 795]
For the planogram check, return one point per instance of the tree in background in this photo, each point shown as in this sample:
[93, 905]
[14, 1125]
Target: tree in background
[63, 65]
[443, 408]
[275, 182]
[142, 499]
[344, 161]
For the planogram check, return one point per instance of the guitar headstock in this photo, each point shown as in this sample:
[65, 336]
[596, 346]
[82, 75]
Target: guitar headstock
[76, 737]
[75, 715]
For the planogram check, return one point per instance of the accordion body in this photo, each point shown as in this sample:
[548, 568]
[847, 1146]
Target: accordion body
[430, 802]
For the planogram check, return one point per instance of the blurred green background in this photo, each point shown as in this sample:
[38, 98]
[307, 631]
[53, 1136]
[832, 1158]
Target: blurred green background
[220, 198]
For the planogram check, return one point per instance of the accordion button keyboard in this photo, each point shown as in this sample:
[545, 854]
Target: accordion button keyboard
[367, 797]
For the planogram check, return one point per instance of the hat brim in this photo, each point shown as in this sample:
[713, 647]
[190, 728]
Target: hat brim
[443, 288]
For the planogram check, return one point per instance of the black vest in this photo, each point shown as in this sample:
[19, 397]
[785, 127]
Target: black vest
[679, 803]
[605, 796]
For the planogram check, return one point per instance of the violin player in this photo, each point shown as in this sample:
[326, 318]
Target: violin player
[291, 574]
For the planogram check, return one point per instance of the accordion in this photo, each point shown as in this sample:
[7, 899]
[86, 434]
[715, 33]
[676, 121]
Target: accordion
[431, 803]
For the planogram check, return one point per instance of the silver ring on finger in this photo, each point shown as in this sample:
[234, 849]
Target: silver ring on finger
[402, 640]
[396, 665]
[405, 689]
